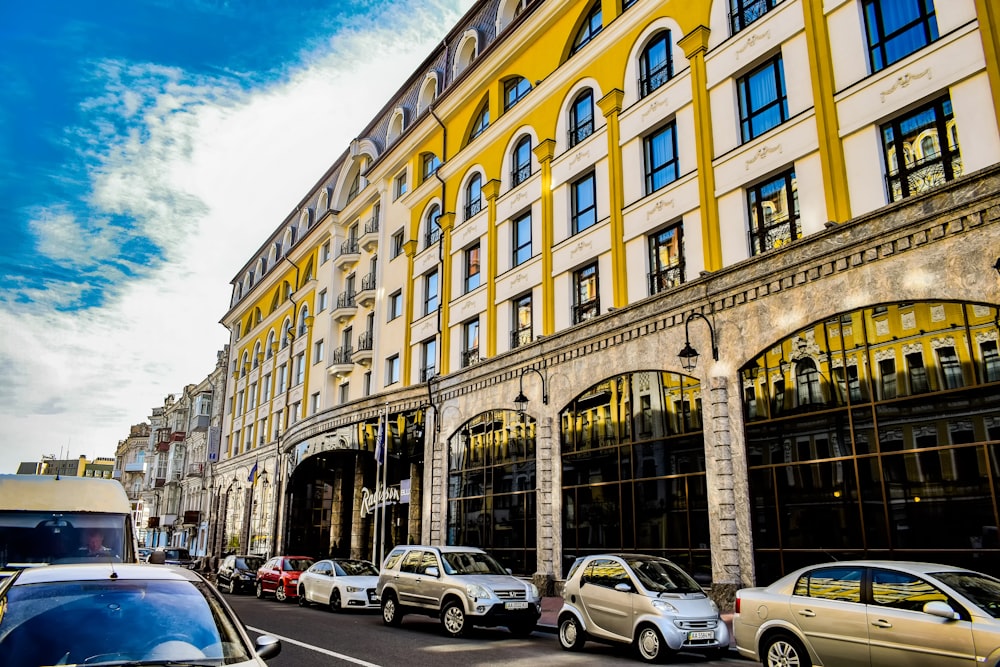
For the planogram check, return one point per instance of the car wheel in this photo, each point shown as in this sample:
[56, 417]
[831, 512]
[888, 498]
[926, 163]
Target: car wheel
[453, 619]
[391, 614]
[783, 650]
[335, 602]
[649, 644]
[259, 591]
[303, 602]
[571, 635]
[279, 592]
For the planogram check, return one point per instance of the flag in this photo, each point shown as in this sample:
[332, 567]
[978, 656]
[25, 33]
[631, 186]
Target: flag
[380, 442]
[253, 474]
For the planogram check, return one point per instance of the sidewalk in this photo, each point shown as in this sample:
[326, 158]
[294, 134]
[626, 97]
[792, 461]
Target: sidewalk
[549, 621]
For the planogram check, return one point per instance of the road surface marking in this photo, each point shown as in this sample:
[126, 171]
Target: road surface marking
[317, 649]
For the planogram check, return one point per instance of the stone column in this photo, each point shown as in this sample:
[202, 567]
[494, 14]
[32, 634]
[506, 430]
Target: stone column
[361, 534]
[414, 519]
[611, 106]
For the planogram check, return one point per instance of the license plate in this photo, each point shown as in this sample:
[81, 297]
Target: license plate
[702, 634]
[515, 605]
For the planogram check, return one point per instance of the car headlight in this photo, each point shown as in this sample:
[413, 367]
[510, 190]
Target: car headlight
[663, 605]
[293, 581]
[715, 607]
[353, 589]
[476, 591]
[534, 591]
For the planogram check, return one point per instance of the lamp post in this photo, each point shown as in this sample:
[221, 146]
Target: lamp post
[521, 401]
[689, 355]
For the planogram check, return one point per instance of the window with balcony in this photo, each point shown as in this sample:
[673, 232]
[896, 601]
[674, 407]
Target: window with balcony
[521, 333]
[514, 90]
[430, 292]
[660, 157]
[521, 237]
[762, 99]
[583, 203]
[897, 28]
[473, 196]
[581, 117]
[666, 259]
[744, 12]
[432, 225]
[774, 213]
[656, 65]
[472, 268]
[470, 342]
[521, 162]
[592, 25]
[921, 150]
[586, 302]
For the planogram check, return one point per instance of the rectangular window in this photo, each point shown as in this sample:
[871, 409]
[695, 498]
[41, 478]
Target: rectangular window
[762, 100]
[951, 369]
[472, 268]
[917, 372]
[397, 243]
[774, 213]
[252, 396]
[744, 12]
[521, 310]
[392, 370]
[367, 383]
[282, 379]
[660, 152]
[897, 28]
[344, 392]
[927, 140]
[521, 234]
[666, 259]
[318, 350]
[239, 402]
[295, 412]
[430, 292]
[300, 369]
[395, 305]
[314, 403]
[324, 253]
[991, 360]
[265, 392]
[262, 432]
[586, 302]
[887, 374]
[399, 185]
[470, 343]
[428, 356]
[324, 301]
[584, 203]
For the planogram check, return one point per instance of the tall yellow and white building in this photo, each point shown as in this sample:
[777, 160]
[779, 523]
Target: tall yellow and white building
[564, 204]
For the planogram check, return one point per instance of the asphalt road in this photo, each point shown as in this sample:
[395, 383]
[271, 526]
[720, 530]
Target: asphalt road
[315, 637]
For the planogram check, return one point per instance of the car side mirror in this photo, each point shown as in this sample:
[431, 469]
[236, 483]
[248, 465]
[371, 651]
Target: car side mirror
[267, 647]
[942, 609]
[158, 558]
[623, 587]
[432, 572]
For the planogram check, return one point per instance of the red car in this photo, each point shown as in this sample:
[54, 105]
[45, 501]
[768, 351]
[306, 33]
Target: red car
[280, 575]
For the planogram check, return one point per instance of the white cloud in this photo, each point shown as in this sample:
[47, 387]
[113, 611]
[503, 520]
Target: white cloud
[209, 174]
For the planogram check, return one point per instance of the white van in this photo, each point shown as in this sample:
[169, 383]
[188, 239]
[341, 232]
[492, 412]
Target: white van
[47, 519]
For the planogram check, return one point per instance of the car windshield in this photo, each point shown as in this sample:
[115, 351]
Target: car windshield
[117, 621]
[177, 554]
[28, 539]
[249, 563]
[355, 568]
[662, 576]
[471, 562]
[983, 591]
[296, 564]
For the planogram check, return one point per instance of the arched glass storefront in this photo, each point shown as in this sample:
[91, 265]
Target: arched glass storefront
[491, 488]
[875, 434]
[633, 462]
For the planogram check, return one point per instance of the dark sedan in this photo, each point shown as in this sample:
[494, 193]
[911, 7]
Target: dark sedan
[237, 573]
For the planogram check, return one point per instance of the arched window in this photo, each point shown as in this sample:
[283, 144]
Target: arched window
[581, 117]
[521, 162]
[355, 188]
[429, 164]
[428, 92]
[396, 125]
[468, 49]
[433, 226]
[324, 201]
[303, 326]
[591, 26]
[507, 12]
[286, 328]
[257, 317]
[244, 364]
[481, 120]
[270, 350]
[513, 90]
[656, 64]
[256, 355]
[473, 196]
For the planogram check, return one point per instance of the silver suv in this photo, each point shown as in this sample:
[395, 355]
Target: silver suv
[463, 586]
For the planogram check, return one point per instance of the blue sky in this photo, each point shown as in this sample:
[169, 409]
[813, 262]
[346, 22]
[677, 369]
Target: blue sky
[146, 150]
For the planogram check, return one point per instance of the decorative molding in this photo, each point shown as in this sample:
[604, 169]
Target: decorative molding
[908, 320]
[902, 81]
[653, 106]
[518, 279]
[752, 40]
[578, 156]
[579, 247]
[943, 341]
[761, 154]
[659, 206]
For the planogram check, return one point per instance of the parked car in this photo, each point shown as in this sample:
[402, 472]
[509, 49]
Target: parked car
[645, 601]
[463, 586]
[144, 553]
[280, 576]
[123, 613]
[870, 612]
[238, 573]
[340, 583]
[176, 556]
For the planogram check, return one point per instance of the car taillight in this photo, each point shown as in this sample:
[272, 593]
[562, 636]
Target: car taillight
[736, 610]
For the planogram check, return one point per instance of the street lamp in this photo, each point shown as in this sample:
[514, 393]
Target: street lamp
[521, 401]
[689, 355]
